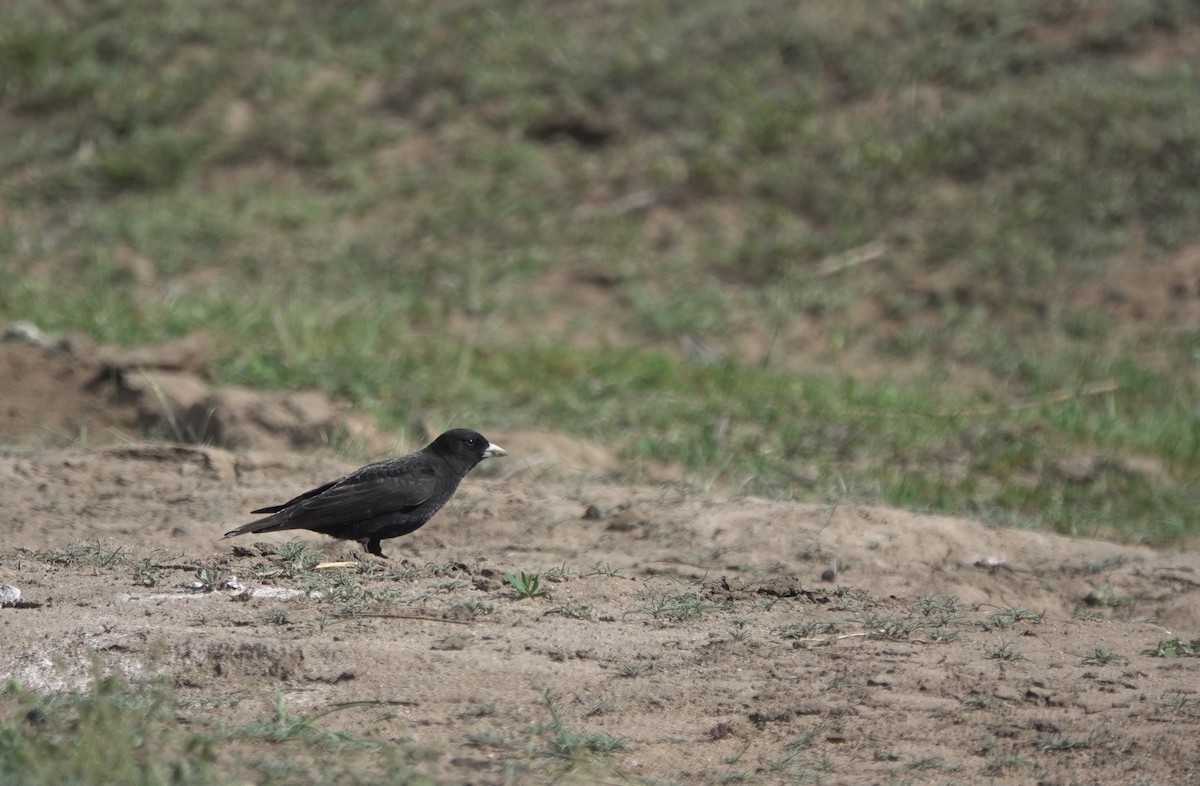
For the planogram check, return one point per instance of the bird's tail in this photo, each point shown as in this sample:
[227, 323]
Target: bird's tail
[269, 524]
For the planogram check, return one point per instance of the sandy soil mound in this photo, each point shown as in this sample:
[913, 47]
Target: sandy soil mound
[695, 636]
[67, 390]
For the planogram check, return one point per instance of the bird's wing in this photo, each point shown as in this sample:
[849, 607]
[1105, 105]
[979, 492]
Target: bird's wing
[362, 496]
[301, 498]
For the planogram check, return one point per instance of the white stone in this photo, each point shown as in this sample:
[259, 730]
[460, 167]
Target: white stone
[9, 595]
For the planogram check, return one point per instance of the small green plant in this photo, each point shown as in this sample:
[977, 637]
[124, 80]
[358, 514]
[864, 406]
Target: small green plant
[450, 585]
[1005, 650]
[597, 741]
[806, 630]
[881, 626]
[295, 557]
[561, 741]
[851, 599]
[1175, 648]
[635, 668]
[284, 725]
[1006, 618]
[368, 567]
[805, 739]
[573, 611]
[349, 591]
[147, 574]
[928, 605]
[1179, 702]
[982, 701]
[939, 610]
[677, 606]
[1087, 615]
[604, 569]
[739, 634]
[211, 579]
[404, 573]
[473, 606]
[987, 745]
[525, 585]
[782, 763]
[837, 683]
[941, 633]
[275, 617]
[1101, 656]
[598, 707]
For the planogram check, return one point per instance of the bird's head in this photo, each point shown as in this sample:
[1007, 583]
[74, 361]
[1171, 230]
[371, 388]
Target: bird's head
[465, 447]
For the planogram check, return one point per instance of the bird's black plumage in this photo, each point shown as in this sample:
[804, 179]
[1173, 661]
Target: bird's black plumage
[383, 500]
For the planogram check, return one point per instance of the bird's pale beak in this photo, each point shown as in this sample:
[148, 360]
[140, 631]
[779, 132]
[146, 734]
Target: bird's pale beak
[494, 450]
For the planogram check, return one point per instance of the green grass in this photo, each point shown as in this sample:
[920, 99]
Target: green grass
[119, 730]
[108, 733]
[553, 749]
[370, 199]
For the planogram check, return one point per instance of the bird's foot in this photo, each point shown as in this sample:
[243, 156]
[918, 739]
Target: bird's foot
[371, 546]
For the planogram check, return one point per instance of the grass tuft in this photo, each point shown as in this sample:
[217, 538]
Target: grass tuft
[676, 606]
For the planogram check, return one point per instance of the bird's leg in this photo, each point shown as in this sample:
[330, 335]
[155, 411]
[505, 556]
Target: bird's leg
[371, 545]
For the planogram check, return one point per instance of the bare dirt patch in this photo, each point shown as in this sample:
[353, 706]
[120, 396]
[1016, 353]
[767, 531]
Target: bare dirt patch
[690, 636]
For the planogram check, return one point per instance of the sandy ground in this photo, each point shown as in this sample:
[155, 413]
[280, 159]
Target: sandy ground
[715, 638]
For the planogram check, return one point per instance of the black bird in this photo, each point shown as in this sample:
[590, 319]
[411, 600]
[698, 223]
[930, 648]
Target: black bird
[386, 499]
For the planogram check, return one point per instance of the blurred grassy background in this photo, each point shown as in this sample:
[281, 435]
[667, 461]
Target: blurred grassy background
[939, 254]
